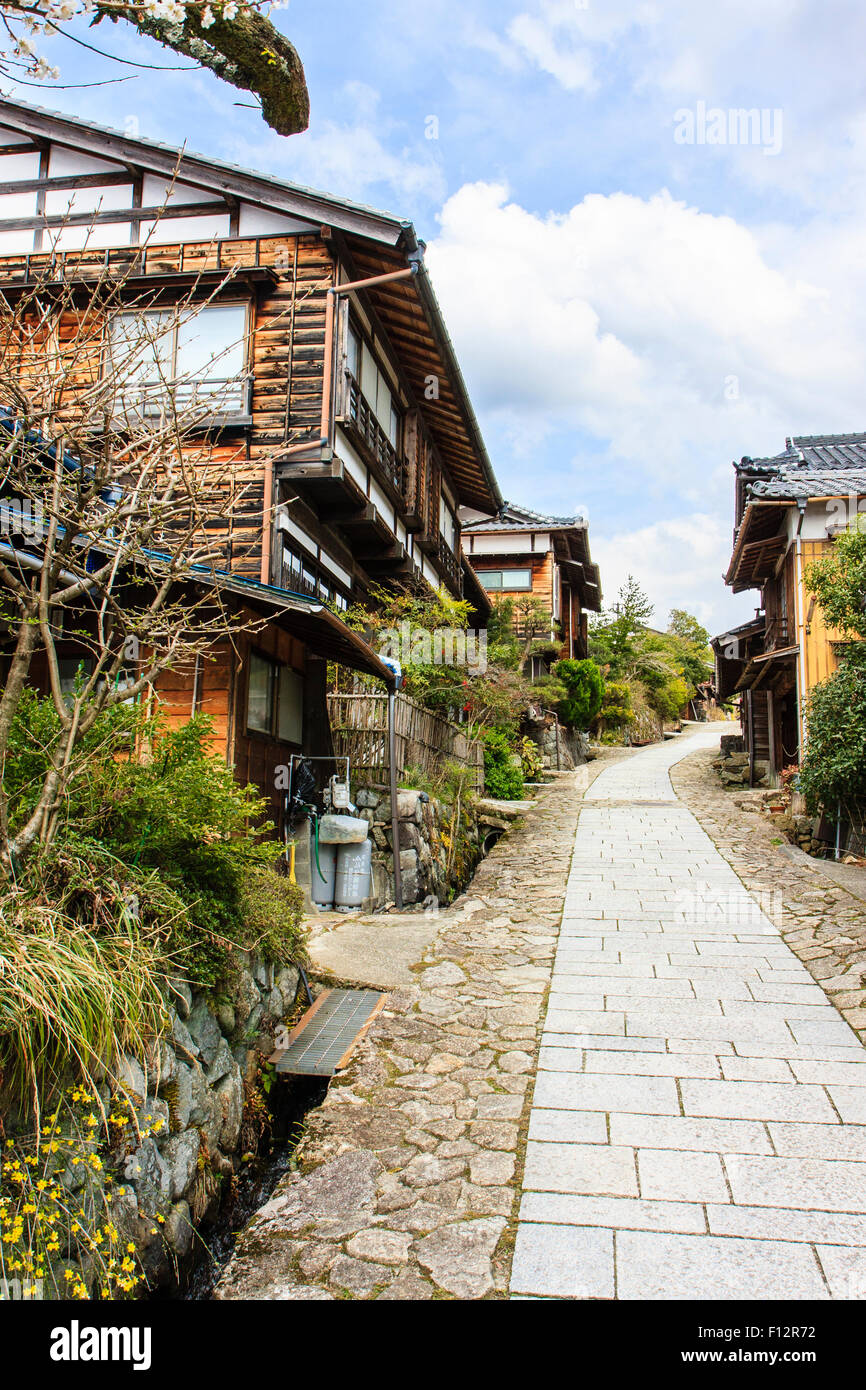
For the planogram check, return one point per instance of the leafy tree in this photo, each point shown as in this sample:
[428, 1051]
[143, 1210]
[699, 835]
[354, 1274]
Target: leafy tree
[614, 634]
[234, 39]
[683, 625]
[692, 644]
[838, 580]
[616, 710]
[833, 772]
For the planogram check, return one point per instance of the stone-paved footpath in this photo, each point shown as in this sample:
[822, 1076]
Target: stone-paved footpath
[410, 1169]
[698, 1125]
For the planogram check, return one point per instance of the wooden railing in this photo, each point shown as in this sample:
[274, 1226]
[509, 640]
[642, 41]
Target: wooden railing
[450, 564]
[360, 413]
[204, 396]
[137, 261]
[359, 726]
[776, 635]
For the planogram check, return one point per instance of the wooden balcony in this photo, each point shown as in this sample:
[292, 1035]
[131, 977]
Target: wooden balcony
[200, 403]
[243, 258]
[778, 635]
[360, 422]
[449, 566]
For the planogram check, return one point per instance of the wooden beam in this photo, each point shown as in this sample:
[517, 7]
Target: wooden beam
[70, 181]
[25, 147]
[44, 157]
[87, 219]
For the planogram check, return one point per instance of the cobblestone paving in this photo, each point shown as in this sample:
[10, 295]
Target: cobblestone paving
[822, 923]
[410, 1169]
[698, 1124]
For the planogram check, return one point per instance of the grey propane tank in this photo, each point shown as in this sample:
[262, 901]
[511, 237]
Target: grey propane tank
[322, 885]
[354, 874]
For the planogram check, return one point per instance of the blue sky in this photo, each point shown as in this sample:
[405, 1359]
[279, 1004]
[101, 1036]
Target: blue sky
[631, 310]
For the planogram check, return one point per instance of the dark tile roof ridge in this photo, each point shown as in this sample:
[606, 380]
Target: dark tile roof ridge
[521, 518]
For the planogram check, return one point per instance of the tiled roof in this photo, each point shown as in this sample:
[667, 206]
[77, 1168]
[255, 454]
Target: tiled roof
[812, 451]
[791, 484]
[514, 518]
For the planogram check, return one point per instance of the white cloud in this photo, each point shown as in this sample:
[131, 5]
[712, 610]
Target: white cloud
[571, 65]
[360, 158]
[661, 329]
[679, 563]
[676, 339]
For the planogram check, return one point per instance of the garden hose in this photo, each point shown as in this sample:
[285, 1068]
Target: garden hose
[315, 816]
[290, 845]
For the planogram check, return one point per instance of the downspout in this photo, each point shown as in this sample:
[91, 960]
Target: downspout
[330, 322]
[267, 510]
[395, 819]
[801, 631]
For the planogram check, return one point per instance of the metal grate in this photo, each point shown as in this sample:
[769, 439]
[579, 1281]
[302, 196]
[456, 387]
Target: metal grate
[327, 1034]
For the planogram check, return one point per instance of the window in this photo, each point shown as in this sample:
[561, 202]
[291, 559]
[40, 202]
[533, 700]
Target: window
[196, 358]
[447, 525]
[506, 579]
[260, 698]
[290, 708]
[301, 575]
[374, 383]
[275, 700]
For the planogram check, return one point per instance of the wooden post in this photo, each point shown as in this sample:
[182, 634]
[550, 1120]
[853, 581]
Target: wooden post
[771, 735]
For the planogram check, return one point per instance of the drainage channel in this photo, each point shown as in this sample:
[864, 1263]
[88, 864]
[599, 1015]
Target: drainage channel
[290, 1102]
[320, 1044]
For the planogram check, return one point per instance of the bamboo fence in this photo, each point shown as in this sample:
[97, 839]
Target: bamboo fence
[359, 726]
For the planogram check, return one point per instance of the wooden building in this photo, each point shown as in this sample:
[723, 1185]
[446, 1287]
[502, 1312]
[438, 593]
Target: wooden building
[789, 507]
[329, 394]
[521, 554]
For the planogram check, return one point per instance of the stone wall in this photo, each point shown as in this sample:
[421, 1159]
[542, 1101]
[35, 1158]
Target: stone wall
[190, 1091]
[573, 746]
[732, 764]
[439, 846]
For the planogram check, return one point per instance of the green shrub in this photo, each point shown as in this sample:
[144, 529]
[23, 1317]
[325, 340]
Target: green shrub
[530, 760]
[584, 687]
[179, 816]
[502, 780]
[616, 709]
[86, 947]
[272, 910]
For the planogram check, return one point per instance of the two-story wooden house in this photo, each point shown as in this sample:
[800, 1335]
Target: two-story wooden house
[788, 509]
[329, 394]
[522, 554]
